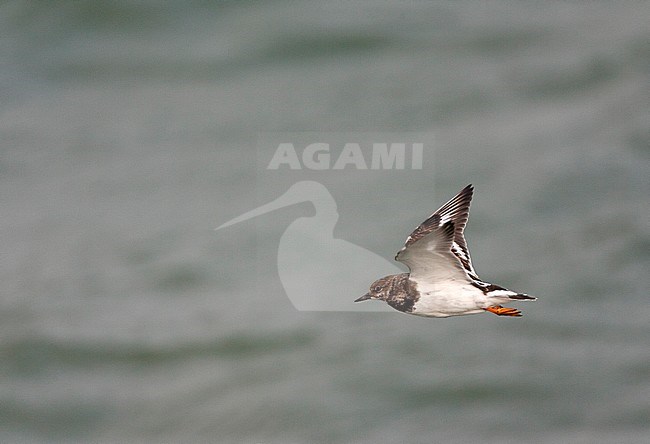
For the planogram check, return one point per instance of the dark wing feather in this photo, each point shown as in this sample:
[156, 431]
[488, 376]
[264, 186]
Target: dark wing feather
[456, 211]
[431, 258]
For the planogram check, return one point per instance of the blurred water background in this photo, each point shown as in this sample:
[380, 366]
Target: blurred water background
[128, 132]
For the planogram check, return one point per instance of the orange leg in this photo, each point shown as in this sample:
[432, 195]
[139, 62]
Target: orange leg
[503, 311]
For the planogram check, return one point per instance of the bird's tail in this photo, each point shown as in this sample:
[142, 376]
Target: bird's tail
[522, 297]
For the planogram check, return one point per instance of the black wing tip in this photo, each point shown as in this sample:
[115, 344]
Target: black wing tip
[469, 189]
[466, 193]
[456, 209]
[458, 204]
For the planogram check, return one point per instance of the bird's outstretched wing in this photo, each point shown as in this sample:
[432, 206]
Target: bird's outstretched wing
[428, 247]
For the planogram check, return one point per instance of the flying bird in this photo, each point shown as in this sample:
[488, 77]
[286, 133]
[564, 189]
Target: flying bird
[442, 281]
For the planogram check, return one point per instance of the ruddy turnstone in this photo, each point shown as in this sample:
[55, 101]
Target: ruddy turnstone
[442, 281]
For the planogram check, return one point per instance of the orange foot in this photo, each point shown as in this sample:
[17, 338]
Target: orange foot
[503, 311]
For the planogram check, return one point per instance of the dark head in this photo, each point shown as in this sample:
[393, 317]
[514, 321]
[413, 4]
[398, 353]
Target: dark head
[378, 290]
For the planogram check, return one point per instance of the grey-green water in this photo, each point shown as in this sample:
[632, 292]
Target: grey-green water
[128, 131]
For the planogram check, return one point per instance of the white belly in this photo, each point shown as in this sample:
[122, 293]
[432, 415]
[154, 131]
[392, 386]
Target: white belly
[449, 299]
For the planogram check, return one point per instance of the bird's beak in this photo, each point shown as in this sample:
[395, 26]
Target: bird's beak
[365, 297]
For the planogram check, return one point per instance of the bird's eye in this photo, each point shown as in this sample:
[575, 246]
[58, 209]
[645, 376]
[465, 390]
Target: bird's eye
[377, 289]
